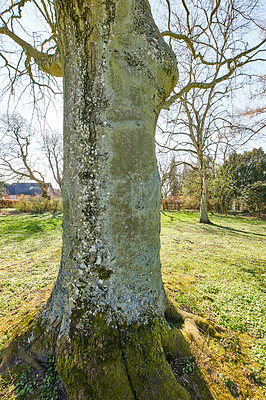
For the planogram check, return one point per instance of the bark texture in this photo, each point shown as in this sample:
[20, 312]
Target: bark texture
[117, 73]
[107, 306]
[105, 317]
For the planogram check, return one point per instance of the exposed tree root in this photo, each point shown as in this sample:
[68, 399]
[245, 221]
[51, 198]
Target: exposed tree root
[158, 360]
[192, 322]
[27, 358]
[116, 361]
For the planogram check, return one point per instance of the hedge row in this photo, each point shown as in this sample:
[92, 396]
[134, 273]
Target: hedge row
[34, 205]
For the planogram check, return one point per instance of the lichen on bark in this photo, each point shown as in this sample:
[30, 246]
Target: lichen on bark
[105, 318]
[117, 73]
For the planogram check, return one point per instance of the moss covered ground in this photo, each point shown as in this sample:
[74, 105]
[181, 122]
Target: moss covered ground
[215, 271]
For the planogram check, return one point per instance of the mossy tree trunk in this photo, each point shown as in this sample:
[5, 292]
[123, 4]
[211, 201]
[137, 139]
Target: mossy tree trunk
[105, 320]
[105, 317]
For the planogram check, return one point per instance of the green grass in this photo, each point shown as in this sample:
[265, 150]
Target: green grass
[30, 247]
[217, 271]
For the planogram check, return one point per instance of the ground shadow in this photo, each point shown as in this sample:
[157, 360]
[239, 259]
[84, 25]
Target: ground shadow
[233, 230]
[24, 228]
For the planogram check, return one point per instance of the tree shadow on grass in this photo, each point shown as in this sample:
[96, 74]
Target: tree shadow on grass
[35, 224]
[233, 230]
[28, 230]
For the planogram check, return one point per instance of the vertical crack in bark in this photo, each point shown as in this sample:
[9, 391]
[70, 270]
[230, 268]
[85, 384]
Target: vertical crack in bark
[125, 363]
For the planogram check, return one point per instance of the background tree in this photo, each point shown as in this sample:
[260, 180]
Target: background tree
[199, 124]
[223, 188]
[3, 187]
[170, 177]
[254, 196]
[257, 110]
[15, 155]
[52, 147]
[237, 174]
[174, 180]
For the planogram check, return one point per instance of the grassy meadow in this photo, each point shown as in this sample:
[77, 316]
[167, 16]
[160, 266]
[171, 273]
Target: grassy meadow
[215, 271]
[219, 272]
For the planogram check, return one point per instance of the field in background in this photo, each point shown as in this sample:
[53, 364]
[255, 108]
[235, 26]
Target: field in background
[216, 271]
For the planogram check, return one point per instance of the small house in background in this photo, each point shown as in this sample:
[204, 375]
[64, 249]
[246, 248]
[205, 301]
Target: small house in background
[29, 190]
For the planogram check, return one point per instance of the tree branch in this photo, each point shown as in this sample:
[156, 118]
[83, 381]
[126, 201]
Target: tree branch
[50, 64]
[200, 85]
[227, 61]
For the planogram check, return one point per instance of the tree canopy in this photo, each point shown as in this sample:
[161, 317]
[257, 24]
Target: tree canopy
[238, 172]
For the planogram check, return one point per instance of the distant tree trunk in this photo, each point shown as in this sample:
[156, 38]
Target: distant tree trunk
[223, 205]
[204, 198]
[53, 150]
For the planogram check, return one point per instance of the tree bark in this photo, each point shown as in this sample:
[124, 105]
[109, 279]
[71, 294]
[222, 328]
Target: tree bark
[105, 320]
[105, 317]
[204, 198]
[117, 73]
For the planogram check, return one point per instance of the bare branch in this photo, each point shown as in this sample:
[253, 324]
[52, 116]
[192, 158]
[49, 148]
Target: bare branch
[15, 155]
[200, 85]
[50, 64]
[227, 61]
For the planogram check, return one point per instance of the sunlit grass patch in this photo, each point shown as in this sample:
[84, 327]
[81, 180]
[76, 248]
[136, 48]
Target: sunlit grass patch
[30, 248]
[218, 271]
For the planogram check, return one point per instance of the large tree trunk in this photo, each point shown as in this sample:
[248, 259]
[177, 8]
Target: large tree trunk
[107, 307]
[105, 318]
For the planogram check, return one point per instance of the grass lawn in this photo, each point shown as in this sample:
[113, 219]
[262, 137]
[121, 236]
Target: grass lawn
[216, 271]
[30, 247]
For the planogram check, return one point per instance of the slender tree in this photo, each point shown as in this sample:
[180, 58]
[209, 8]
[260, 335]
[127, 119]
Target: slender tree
[52, 147]
[15, 152]
[170, 177]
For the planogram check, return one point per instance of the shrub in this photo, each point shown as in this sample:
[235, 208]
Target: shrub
[6, 203]
[213, 205]
[255, 197]
[55, 205]
[38, 205]
[171, 203]
[174, 203]
[22, 204]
